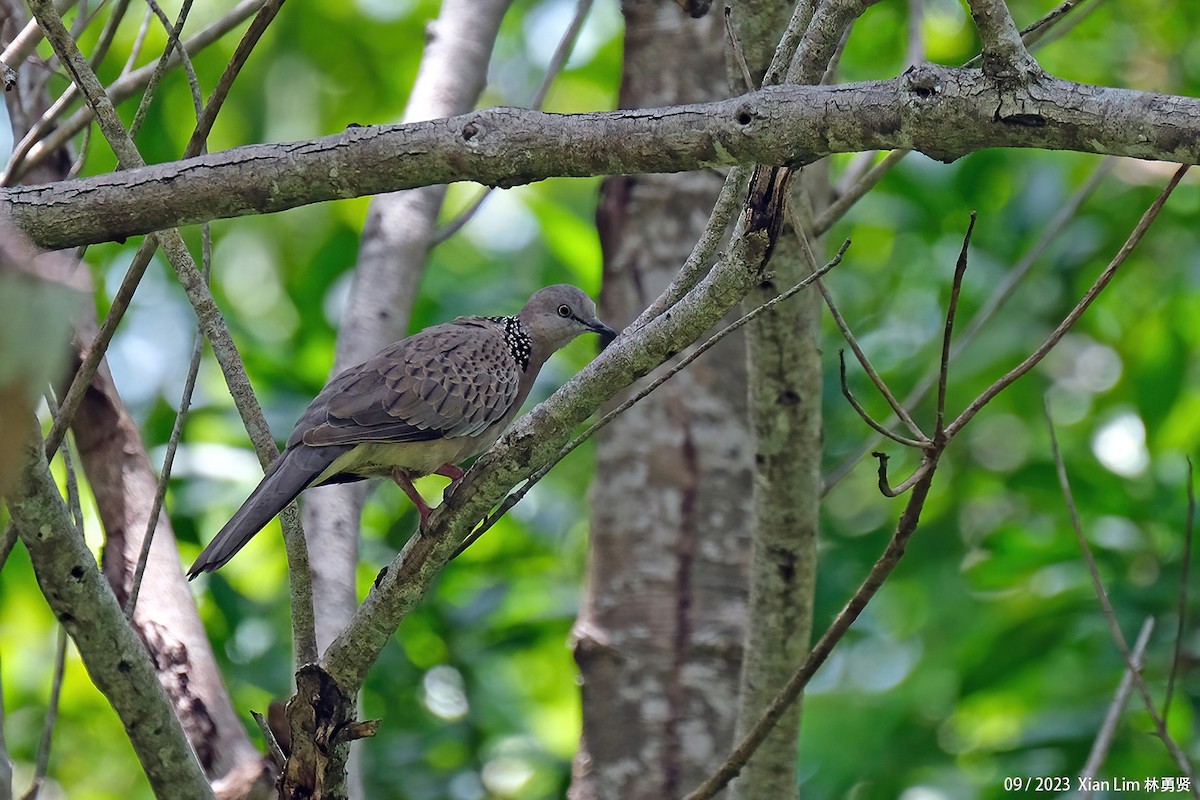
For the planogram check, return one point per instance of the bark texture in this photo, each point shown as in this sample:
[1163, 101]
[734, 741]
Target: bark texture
[658, 641]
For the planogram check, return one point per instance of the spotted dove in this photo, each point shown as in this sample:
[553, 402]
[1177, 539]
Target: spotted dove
[419, 406]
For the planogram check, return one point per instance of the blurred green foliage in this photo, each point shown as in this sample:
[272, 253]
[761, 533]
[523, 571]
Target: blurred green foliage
[984, 657]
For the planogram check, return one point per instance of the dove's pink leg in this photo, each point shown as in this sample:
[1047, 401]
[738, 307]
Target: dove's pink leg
[404, 482]
[454, 473]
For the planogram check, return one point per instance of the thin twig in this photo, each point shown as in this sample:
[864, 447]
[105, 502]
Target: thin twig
[1106, 608]
[1092, 293]
[96, 350]
[139, 42]
[862, 412]
[8, 540]
[273, 748]
[856, 191]
[960, 269]
[6, 791]
[108, 33]
[566, 45]
[241, 54]
[1112, 718]
[835, 60]
[42, 765]
[848, 335]
[986, 312]
[160, 493]
[1189, 528]
[739, 55]
[515, 497]
[160, 69]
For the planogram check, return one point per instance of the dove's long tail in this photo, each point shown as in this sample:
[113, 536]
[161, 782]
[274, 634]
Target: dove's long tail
[291, 473]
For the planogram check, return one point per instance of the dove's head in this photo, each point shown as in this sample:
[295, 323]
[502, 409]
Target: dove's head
[556, 315]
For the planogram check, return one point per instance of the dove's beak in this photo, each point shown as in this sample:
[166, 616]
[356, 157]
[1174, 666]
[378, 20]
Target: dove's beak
[607, 334]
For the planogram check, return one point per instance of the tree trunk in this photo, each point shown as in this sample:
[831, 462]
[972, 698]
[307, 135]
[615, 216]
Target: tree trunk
[658, 641]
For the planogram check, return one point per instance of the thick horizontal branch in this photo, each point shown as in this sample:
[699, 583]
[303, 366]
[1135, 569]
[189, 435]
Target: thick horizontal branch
[940, 111]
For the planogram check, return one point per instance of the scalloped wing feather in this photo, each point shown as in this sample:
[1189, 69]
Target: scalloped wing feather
[452, 380]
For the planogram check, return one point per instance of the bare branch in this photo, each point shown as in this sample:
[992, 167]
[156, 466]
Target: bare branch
[161, 67]
[189, 385]
[6, 790]
[899, 410]
[1106, 609]
[960, 270]
[862, 412]
[1189, 530]
[941, 111]
[41, 767]
[739, 55]
[97, 348]
[1036, 33]
[273, 748]
[1112, 718]
[791, 691]
[856, 191]
[1092, 293]
[115, 657]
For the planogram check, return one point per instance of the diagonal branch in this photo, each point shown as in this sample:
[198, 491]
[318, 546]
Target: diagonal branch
[883, 567]
[209, 315]
[1112, 718]
[115, 657]
[538, 436]
[516, 497]
[1073, 316]
[1110, 616]
[1189, 530]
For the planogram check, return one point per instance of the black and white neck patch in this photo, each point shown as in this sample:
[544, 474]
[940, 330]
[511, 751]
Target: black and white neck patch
[517, 339]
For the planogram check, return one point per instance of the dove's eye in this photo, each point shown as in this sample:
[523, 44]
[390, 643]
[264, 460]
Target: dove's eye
[564, 310]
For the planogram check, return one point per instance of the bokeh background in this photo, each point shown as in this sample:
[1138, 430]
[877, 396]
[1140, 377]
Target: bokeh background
[984, 656]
